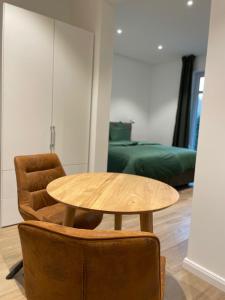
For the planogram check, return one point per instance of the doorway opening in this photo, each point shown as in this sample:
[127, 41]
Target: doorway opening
[197, 99]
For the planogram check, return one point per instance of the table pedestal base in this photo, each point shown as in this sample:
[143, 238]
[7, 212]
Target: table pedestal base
[146, 221]
[118, 222]
[69, 216]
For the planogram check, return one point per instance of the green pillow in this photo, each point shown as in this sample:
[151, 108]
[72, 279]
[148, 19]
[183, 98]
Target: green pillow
[120, 131]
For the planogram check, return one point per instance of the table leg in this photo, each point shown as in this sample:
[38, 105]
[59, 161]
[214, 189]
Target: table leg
[118, 222]
[146, 221]
[69, 216]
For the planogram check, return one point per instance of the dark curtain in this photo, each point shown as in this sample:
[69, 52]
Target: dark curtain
[181, 132]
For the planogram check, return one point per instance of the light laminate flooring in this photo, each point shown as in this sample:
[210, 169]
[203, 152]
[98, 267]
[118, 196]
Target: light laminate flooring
[172, 226]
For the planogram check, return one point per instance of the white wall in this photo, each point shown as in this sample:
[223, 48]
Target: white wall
[98, 16]
[131, 94]
[207, 240]
[163, 102]
[147, 94]
[102, 89]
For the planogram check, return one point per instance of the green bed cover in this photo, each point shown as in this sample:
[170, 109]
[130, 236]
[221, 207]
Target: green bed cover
[150, 160]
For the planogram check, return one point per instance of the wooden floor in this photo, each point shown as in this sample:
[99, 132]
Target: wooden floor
[172, 226]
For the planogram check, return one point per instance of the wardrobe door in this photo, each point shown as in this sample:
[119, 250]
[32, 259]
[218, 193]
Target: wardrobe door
[27, 83]
[26, 95]
[73, 63]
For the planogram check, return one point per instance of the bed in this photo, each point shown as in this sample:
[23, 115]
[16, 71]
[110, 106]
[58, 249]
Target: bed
[171, 165]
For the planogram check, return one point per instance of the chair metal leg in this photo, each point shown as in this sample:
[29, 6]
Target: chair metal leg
[15, 269]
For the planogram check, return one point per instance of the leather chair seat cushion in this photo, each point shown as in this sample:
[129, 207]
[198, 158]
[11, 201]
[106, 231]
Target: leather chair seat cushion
[83, 219]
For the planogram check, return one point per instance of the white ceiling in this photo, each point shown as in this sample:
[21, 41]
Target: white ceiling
[180, 29]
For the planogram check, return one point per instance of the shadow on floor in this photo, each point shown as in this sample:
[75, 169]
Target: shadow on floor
[173, 290]
[20, 281]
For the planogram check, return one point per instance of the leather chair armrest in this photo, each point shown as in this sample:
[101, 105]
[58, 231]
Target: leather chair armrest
[89, 234]
[29, 213]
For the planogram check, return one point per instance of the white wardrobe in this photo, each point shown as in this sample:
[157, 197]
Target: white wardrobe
[46, 96]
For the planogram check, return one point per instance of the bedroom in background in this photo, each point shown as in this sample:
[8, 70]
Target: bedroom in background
[160, 51]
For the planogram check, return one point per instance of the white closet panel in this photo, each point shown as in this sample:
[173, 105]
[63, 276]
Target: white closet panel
[27, 79]
[46, 81]
[27, 83]
[9, 206]
[73, 59]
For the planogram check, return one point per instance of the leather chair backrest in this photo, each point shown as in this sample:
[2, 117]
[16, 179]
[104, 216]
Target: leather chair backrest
[62, 263]
[33, 174]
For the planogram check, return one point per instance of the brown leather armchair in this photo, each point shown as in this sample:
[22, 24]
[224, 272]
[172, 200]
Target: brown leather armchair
[66, 263]
[33, 174]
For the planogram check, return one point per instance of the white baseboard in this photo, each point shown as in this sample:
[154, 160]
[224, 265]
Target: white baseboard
[204, 274]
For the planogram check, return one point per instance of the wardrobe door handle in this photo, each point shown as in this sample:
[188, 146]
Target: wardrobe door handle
[52, 138]
[51, 145]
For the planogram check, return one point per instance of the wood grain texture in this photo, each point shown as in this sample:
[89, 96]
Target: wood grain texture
[171, 226]
[113, 193]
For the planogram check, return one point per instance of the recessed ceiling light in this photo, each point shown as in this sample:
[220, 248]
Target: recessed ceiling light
[190, 3]
[160, 47]
[119, 31]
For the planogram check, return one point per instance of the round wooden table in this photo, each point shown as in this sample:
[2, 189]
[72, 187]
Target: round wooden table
[113, 193]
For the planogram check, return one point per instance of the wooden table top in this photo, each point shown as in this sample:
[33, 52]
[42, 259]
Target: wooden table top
[113, 193]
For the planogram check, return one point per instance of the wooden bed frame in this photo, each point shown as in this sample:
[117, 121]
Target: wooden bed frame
[182, 179]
